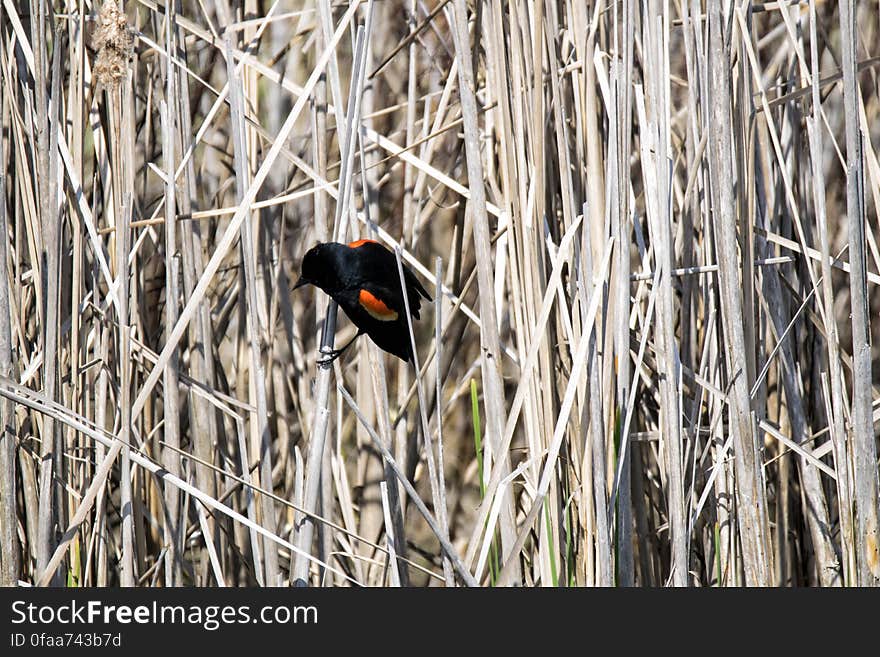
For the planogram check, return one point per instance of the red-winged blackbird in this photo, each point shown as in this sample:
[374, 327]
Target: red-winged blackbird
[362, 277]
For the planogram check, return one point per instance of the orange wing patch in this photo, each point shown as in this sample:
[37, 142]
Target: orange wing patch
[358, 243]
[376, 307]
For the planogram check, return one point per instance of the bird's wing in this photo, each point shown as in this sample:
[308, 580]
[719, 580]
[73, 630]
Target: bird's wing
[379, 302]
[413, 286]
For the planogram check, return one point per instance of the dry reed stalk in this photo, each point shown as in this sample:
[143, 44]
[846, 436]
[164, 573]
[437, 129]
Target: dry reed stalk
[836, 414]
[173, 513]
[604, 568]
[170, 390]
[490, 351]
[257, 378]
[199, 330]
[660, 206]
[619, 209]
[113, 42]
[321, 228]
[389, 533]
[10, 559]
[751, 495]
[441, 466]
[866, 512]
[435, 475]
[49, 219]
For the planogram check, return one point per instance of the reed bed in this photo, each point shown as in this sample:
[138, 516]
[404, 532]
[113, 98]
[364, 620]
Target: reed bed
[650, 233]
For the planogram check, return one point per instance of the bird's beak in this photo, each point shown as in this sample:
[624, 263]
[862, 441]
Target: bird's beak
[302, 281]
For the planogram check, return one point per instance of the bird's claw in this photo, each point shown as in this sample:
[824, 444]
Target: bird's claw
[332, 354]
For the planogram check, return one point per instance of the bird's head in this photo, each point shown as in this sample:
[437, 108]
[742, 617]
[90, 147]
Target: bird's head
[319, 268]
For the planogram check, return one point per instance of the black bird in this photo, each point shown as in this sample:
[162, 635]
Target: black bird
[362, 277]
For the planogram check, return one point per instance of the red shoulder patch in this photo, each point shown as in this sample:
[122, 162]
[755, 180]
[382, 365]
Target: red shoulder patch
[358, 243]
[376, 307]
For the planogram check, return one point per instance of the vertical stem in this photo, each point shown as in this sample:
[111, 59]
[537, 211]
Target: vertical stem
[669, 379]
[170, 392]
[836, 421]
[10, 562]
[604, 562]
[490, 342]
[751, 494]
[201, 361]
[622, 231]
[863, 447]
[121, 152]
[48, 213]
[256, 370]
[441, 473]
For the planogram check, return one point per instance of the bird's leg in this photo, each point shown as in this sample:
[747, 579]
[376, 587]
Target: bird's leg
[333, 354]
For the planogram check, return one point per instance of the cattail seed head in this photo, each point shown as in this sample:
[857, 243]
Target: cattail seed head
[113, 41]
